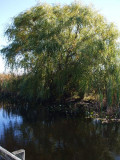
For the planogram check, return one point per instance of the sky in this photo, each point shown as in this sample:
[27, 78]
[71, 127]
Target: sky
[110, 9]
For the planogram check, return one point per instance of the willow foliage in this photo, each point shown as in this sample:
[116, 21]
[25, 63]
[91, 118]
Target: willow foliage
[65, 50]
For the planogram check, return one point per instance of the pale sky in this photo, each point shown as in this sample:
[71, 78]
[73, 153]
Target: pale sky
[110, 9]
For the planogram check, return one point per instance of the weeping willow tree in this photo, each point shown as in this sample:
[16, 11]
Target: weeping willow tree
[65, 50]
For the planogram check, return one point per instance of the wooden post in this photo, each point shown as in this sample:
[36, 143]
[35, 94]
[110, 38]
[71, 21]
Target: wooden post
[17, 155]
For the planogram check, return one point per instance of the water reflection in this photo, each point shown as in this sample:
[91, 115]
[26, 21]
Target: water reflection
[48, 137]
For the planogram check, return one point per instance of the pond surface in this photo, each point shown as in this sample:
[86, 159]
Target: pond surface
[48, 137]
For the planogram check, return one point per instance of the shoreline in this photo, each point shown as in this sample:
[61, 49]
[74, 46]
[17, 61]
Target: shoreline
[74, 108]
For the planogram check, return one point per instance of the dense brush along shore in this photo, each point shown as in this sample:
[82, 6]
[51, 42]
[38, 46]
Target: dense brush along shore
[90, 109]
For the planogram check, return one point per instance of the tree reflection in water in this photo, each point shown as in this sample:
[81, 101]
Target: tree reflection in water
[48, 137]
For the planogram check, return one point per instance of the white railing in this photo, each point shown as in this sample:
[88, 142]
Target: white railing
[17, 155]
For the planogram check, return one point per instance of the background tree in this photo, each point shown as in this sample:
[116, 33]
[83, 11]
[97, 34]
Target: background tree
[65, 50]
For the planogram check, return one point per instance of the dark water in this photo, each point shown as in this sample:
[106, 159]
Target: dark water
[46, 137]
